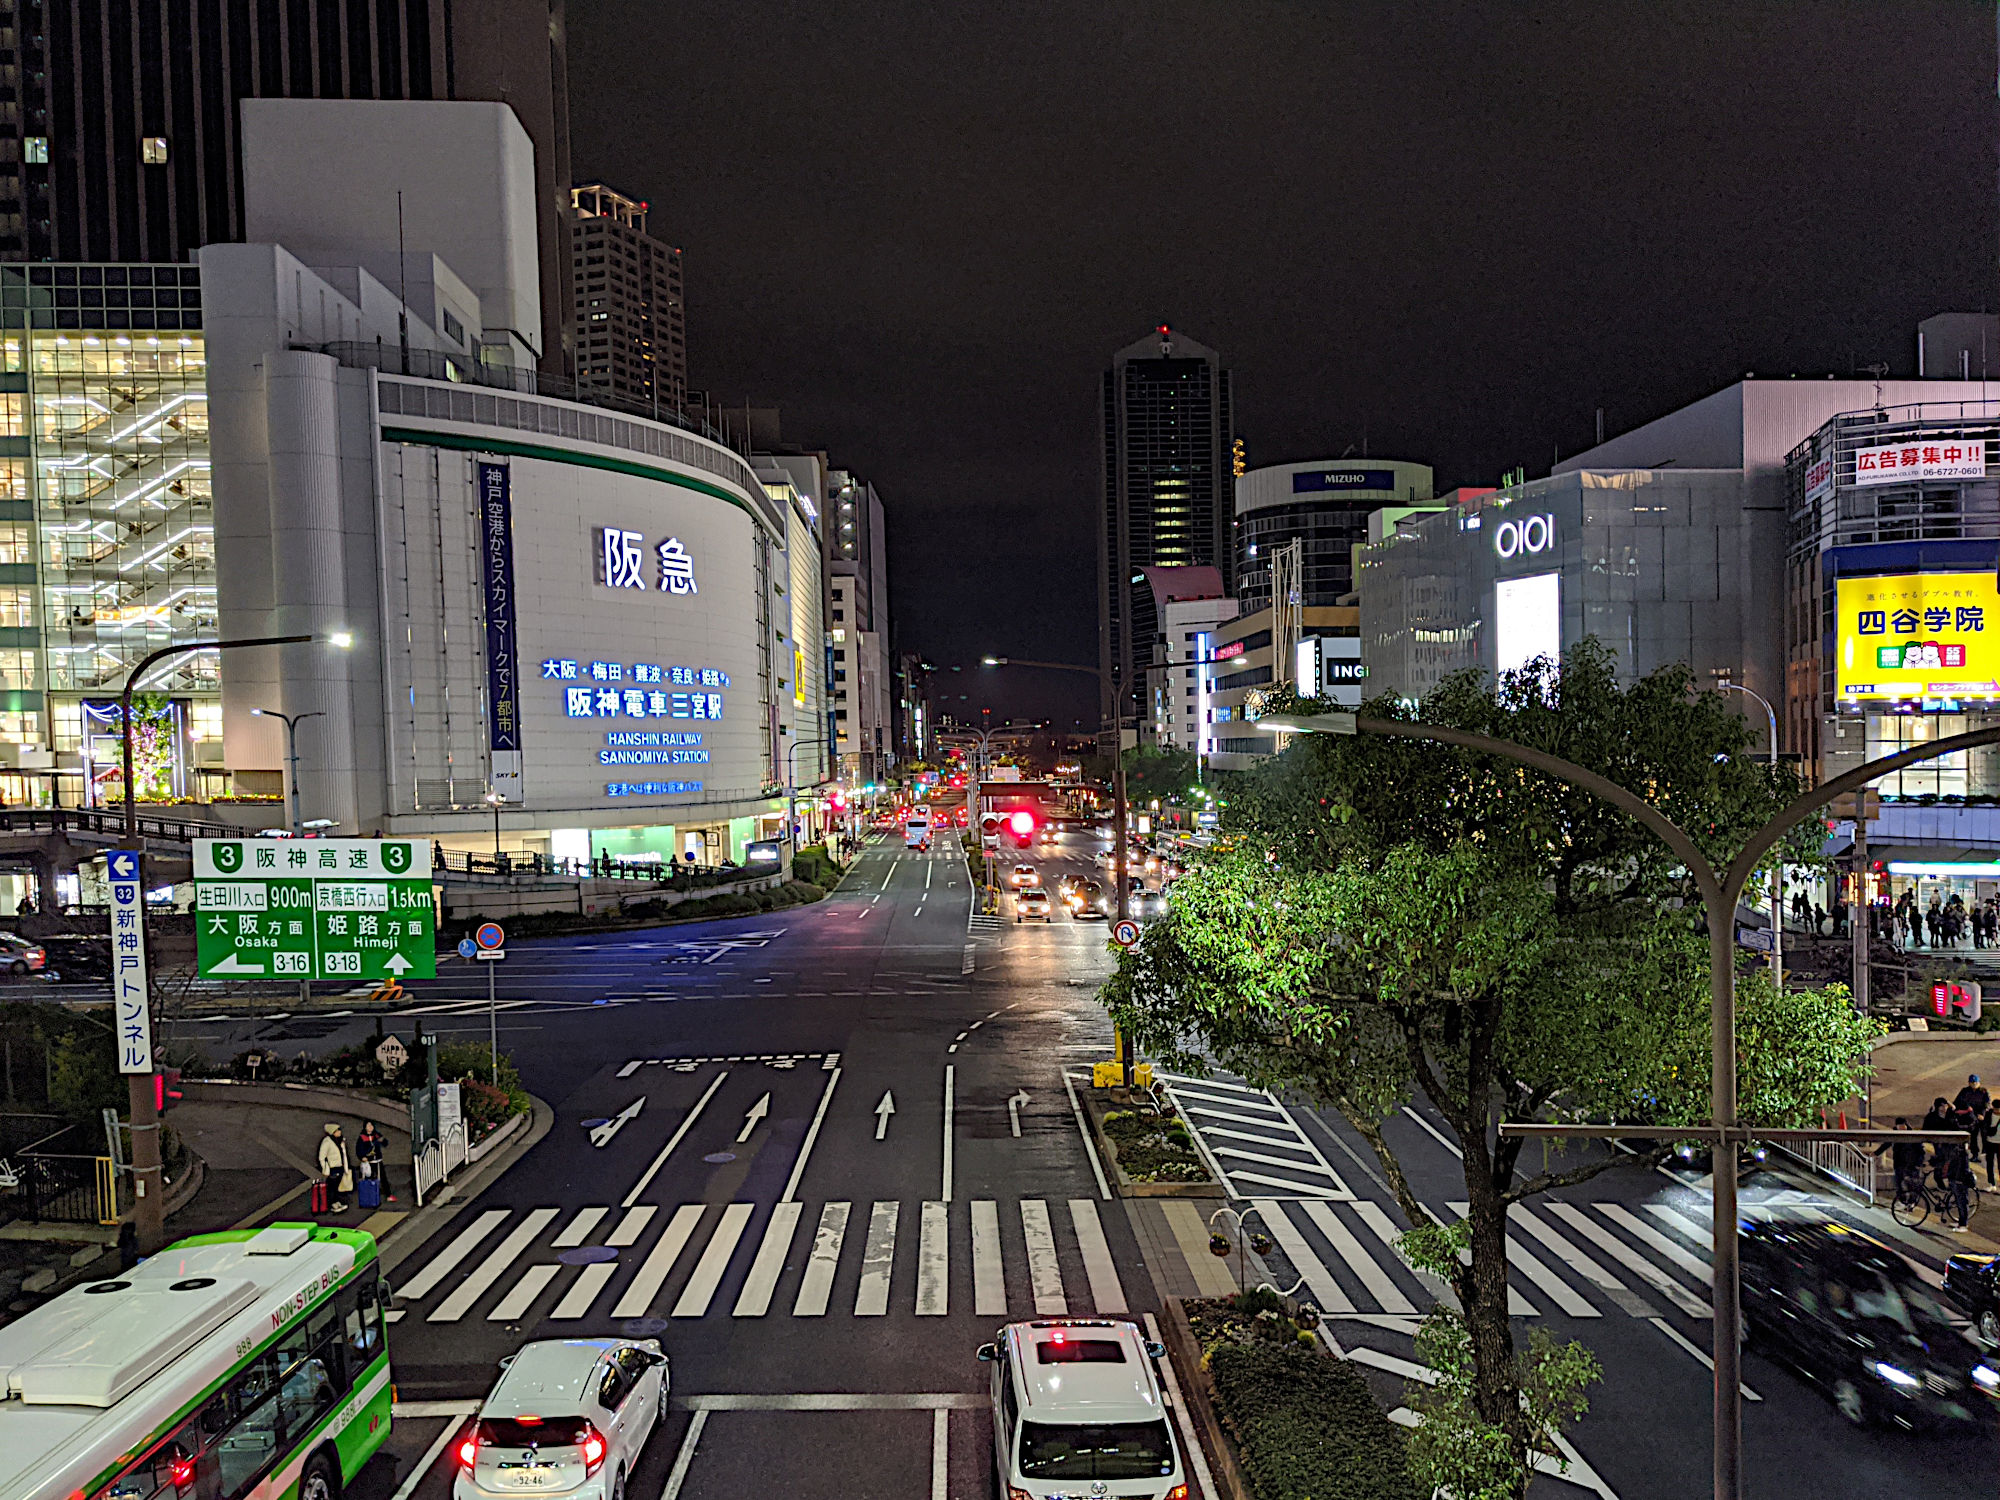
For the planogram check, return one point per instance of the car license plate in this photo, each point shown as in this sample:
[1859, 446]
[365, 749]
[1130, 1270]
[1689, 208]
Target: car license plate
[534, 1476]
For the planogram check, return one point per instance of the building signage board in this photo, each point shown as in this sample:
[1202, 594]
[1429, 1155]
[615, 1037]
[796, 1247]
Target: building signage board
[1932, 458]
[352, 909]
[129, 994]
[1913, 636]
[1819, 477]
[1333, 481]
[503, 675]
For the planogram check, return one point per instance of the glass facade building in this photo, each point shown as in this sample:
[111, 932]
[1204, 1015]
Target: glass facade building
[107, 547]
[1323, 506]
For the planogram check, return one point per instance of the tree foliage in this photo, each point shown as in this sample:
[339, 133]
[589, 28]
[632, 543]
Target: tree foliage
[1393, 918]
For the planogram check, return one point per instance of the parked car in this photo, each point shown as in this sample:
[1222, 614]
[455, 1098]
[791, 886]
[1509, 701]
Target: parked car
[1032, 905]
[1077, 1407]
[1850, 1315]
[567, 1416]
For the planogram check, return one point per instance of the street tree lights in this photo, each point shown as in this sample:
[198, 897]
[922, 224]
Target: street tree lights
[148, 1218]
[1720, 891]
[1118, 810]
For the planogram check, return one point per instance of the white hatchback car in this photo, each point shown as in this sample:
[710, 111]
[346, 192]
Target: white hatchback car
[567, 1417]
[1077, 1409]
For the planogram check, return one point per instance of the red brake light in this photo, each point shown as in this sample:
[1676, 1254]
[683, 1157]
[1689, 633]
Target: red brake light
[593, 1450]
[1178, 1492]
[468, 1452]
[181, 1472]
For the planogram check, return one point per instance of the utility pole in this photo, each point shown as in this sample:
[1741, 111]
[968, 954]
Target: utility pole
[294, 796]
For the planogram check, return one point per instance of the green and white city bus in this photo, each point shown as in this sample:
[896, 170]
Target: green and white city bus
[248, 1365]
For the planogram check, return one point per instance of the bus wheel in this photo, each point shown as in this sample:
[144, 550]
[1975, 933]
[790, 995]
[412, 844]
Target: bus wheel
[320, 1480]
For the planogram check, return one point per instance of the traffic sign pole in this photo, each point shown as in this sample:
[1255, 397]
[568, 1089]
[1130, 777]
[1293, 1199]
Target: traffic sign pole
[490, 941]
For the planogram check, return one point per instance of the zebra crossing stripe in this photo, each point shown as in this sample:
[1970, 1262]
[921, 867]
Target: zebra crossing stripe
[1518, 1258]
[1044, 1270]
[1647, 1235]
[577, 1228]
[755, 1299]
[1326, 1291]
[1627, 1300]
[523, 1295]
[989, 1282]
[638, 1299]
[632, 1225]
[1616, 1248]
[421, 1284]
[878, 1258]
[583, 1291]
[1098, 1266]
[1387, 1295]
[817, 1284]
[700, 1290]
[505, 1254]
[933, 1260]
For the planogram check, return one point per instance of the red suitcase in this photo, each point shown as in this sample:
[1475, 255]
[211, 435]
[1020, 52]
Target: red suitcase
[319, 1196]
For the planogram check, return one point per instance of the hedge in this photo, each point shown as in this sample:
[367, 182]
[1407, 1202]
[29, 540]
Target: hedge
[1307, 1427]
[813, 863]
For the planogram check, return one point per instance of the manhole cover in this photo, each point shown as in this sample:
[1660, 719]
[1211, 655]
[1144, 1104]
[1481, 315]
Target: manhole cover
[584, 1255]
[643, 1328]
[718, 1157]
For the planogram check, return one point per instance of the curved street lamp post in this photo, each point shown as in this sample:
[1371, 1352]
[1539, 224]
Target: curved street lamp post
[1720, 891]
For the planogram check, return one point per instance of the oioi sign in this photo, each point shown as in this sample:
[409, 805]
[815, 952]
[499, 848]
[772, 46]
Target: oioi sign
[352, 909]
[1529, 535]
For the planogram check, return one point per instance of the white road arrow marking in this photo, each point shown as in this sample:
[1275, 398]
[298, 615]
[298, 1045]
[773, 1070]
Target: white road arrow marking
[397, 964]
[1014, 1110]
[757, 1112]
[882, 1112]
[601, 1136]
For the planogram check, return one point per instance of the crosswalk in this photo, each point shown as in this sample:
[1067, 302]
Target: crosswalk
[1252, 1142]
[1579, 1260]
[866, 1260]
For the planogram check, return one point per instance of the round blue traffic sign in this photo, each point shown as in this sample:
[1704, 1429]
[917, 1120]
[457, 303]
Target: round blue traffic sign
[466, 948]
[489, 935]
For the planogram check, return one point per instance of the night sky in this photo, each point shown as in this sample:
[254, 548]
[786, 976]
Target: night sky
[1434, 231]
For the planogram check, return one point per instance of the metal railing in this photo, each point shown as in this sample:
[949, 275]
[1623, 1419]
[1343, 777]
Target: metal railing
[43, 820]
[605, 867]
[64, 1187]
[1856, 1169]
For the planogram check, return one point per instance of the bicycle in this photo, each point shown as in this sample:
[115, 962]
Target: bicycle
[1919, 1197]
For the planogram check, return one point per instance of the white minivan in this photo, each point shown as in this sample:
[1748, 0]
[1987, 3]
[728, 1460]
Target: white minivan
[1077, 1409]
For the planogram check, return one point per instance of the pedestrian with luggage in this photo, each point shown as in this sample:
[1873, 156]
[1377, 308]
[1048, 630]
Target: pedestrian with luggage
[373, 1185]
[336, 1168]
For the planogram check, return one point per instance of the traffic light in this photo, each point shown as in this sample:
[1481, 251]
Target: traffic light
[166, 1089]
[1955, 1001]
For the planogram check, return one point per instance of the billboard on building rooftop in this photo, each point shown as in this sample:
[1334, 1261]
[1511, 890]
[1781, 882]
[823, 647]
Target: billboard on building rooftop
[1909, 636]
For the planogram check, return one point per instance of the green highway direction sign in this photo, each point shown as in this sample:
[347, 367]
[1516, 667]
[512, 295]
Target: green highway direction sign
[353, 909]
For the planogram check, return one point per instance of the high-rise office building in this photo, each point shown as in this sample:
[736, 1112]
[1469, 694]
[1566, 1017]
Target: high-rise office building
[123, 141]
[1167, 478]
[857, 581]
[631, 324]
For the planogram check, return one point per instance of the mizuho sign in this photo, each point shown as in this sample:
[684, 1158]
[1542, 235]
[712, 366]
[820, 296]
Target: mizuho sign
[1528, 536]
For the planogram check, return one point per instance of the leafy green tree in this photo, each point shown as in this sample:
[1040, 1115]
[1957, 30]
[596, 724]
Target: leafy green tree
[1396, 918]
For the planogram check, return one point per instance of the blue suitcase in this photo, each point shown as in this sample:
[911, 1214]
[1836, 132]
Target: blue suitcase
[368, 1192]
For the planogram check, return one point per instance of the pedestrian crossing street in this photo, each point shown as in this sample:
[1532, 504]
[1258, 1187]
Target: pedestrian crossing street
[541, 1265]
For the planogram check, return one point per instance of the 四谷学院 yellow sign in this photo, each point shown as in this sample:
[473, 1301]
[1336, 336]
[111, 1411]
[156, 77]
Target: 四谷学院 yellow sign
[1917, 635]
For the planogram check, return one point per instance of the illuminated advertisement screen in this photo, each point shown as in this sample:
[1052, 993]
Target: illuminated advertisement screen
[1527, 620]
[1917, 635]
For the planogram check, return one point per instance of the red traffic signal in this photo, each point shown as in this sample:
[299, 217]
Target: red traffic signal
[166, 1089]
[1021, 824]
[1954, 1001]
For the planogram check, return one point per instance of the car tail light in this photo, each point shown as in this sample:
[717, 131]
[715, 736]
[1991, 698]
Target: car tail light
[1014, 1494]
[468, 1452]
[1178, 1492]
[181, 1473]
[592, 1444]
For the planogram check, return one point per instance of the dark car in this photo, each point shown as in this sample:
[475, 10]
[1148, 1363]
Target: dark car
[1090, 900]
[1849, 1314]
[74, 956]
[1972, 1283]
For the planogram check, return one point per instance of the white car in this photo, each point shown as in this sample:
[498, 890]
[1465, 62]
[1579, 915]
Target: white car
[567, 1417]
[1077, 1410]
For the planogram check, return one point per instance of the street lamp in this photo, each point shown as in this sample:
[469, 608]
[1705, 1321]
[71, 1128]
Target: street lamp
[495, 801]
[1118, 810]
[1778, 869]
[147, 1180]
[291, 723]
[1719, 894]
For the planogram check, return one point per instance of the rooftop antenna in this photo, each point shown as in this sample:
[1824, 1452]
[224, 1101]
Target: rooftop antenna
[1878, 370]
[1600, 426]
[402, 288]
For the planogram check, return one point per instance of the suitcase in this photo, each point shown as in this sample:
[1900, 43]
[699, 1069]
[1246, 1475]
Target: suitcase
[368, 1192]
[319, 1196]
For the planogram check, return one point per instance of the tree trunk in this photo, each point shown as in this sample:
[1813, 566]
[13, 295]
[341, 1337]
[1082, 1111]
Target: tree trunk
[1496, 1390]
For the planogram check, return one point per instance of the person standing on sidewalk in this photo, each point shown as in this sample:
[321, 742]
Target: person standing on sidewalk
[368, 1146]
[336, 1166]
[1987, 1134]
[1906, 1160]
[1955, 1175]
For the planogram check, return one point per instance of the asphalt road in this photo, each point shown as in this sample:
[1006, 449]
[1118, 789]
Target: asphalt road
[786, 1146]
[821, 1290]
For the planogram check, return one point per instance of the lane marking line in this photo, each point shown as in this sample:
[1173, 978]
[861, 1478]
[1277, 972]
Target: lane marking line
[1190, 1443]
[1098, 1266]
[812, 1134]
[950, 1077]
[755, 1299]
[817, 1285]
[940, 1441]
[448, 1258]
[708, 1271]
[667, 1150]
[836, 1401]
[933, 1261]
[989, 1281]
[417, 1475]
[1673, 1333]
[659, 1264]
[683, 1458]
[1083, 1128]
[878, 1260]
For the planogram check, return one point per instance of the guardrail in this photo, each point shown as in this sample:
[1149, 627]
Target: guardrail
[679, 877]
[1853, 1168]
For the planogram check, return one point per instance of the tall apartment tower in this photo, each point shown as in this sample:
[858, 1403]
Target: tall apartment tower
[857, 588]
[1167, 493]
[120, 133]
[631, 322]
